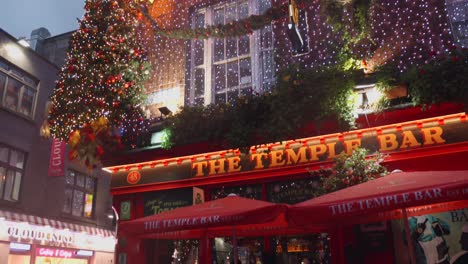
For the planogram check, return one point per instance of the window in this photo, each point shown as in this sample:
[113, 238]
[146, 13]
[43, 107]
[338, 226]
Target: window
[80, 191]
[458, 16]
[18, 91]
[11, 172]
[222, 69]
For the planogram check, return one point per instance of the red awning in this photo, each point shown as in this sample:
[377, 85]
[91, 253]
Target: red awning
[230, 211]
[377, 199]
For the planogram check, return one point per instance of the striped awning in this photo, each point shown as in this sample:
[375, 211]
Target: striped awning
[36, 220]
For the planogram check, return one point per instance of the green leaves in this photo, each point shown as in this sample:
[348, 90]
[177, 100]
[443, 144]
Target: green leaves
[301, 97]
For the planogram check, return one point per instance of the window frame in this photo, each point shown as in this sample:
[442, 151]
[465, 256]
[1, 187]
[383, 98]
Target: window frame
[75, 187]
[27, 82]
[8, 168]
[256, 53]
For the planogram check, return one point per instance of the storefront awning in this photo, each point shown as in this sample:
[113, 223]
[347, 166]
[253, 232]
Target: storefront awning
[378, 199]
[229, 212]
[36, 220]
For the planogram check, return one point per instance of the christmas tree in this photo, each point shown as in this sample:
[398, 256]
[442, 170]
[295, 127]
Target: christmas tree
[96, 102]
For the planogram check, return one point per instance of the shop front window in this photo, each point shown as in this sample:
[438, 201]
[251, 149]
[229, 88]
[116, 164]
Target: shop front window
[309, 249]
[247, 191]
[185, 251]
[249, 250]
[79, 194]
[293, 191]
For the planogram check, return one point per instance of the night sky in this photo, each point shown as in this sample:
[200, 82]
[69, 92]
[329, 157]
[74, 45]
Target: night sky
[20, 17]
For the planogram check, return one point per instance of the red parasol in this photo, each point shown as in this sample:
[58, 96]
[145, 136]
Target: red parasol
[379, 198]
[227, 212]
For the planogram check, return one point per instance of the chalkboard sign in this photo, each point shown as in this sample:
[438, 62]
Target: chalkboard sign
[158, 202]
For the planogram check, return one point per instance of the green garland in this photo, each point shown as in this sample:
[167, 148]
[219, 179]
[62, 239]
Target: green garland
[233, 29]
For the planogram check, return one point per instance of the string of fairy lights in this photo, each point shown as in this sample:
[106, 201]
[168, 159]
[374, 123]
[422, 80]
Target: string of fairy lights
[402, 32]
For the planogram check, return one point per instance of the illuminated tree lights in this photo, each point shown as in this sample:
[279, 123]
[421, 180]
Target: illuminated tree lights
[102, 78]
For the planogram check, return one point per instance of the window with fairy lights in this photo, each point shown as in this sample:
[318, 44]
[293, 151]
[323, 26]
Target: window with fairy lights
[80, 191]
[458, 13]
[222, 69]
[18, 90]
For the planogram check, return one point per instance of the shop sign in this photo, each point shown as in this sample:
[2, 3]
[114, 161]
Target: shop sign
[57, 158]
[30, 233]
[55, 252]
[392, 138]
[317, 150]
[396, 200]
[133, 177]
[19, 247]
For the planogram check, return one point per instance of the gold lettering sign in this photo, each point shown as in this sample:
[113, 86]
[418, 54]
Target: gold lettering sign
[316, 151]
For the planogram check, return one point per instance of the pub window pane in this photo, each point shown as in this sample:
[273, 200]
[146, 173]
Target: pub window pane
[246, 91]
[220, 98]
[200, 101]
[219, 50]
[232, 95]
[230, 13]
[13, 89]
[244, 45]
[220, 77]
[231, 48]
[3, 154]
[267, 69]
[243, 10]
[78, 200]
[232, 74]
[198, 52]
[266, 37]
[245, 71]
[67, 206]
[219, 16]
[80, 180]
[264, 5]
[27, 101]
[16, 159]
[199, 82]
[200, 20]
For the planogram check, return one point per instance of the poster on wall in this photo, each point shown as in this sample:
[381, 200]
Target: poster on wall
[198, 195]
[437, 238]
[125, 207]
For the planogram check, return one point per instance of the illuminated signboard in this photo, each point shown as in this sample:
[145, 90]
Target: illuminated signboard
[418, 134]
[63, 253]
[19, 247]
